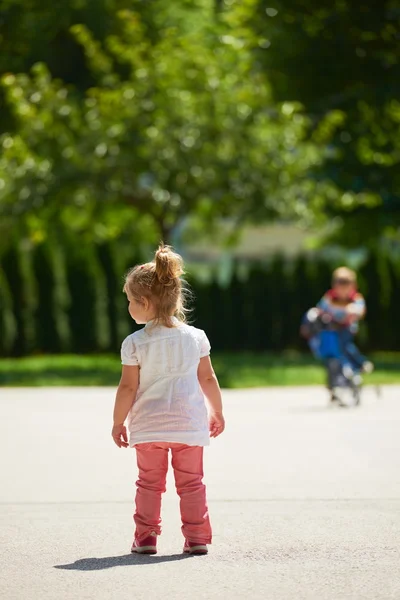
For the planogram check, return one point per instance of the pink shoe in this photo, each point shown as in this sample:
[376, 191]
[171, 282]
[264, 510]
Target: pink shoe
[146, 546]
[194, 548]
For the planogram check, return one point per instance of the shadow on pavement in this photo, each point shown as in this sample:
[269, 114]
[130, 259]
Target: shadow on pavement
[126, 560]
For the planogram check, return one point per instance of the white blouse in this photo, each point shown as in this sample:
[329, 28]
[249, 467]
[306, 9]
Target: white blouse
[169, 405]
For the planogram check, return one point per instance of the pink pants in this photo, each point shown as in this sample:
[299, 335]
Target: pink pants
[187, 462]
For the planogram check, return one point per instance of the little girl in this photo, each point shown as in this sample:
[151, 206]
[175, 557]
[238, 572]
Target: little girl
[166, 370]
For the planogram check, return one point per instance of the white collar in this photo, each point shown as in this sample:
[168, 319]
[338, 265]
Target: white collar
[150, 323]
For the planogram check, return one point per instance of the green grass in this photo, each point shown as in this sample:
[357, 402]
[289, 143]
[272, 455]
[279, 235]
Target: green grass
[240, 370]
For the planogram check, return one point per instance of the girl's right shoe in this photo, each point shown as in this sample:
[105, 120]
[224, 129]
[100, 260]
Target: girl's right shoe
[146, 546]
[194, 548]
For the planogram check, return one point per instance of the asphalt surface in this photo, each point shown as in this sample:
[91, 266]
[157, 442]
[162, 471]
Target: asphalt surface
[304, 501]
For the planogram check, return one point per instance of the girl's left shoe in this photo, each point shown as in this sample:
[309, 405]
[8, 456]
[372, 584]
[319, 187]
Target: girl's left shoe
[146, 546]
[194, 548]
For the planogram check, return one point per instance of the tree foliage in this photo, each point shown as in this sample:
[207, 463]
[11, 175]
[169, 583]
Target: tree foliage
[126, 117]
[178, 122]
[344, 56]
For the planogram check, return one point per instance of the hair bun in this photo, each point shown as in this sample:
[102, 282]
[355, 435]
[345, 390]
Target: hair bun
[169, 265]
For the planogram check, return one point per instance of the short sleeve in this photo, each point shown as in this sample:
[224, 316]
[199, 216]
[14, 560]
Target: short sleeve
[205, 345]
[129, 353]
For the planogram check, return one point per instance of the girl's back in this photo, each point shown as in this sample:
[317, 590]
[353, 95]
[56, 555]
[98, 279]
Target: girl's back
[169, 403]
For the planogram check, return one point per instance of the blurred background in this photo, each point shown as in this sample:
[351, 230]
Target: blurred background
[260, 138]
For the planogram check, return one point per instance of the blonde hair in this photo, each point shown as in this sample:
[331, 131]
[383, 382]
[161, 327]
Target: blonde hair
[160, 282]
[344, 273]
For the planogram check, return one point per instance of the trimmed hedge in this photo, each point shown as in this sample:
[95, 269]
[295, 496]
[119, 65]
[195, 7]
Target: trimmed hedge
[56, 298]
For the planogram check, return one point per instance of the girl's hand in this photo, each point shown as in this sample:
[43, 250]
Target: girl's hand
[120, 436]
[216, 423]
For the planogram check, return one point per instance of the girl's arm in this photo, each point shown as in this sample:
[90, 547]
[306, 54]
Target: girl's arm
[126, 395]
[210, 387]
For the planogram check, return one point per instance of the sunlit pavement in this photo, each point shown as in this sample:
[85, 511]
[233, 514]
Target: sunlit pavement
[304, 501]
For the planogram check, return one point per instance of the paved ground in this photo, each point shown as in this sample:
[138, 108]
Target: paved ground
[305, 502]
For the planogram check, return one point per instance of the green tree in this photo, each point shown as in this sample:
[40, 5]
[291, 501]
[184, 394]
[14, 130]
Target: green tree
[51, 319]
[8, 323]
[20, 285]
[39, 31]
[175, 125]
[343, 57]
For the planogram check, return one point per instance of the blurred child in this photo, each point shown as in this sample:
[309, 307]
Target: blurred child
[166, 370]
[346, 307]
